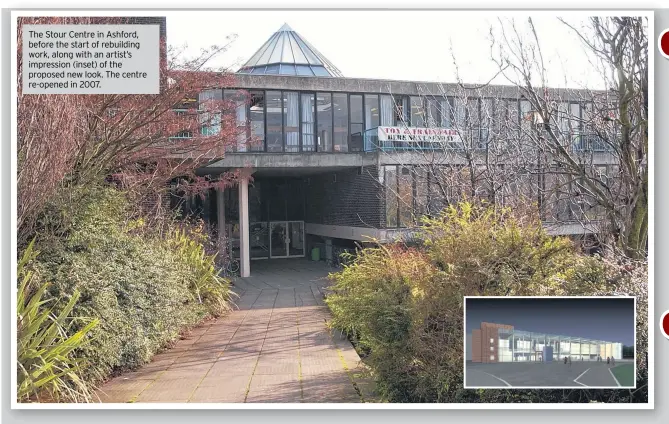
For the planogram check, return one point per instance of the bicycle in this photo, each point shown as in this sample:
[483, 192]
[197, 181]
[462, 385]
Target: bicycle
[230, 267]
[340, 256]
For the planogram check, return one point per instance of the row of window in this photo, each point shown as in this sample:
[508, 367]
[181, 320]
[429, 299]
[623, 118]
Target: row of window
[293, 121]
[415, 191]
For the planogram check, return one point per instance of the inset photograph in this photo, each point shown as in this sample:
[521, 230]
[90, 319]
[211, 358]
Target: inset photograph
[550, 342]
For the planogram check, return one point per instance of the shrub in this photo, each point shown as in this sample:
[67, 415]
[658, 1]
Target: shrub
[46, 366]
[208, 287]
[404, 306]
[144, 285]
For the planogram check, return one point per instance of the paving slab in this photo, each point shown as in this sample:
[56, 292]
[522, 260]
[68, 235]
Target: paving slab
[274, 347]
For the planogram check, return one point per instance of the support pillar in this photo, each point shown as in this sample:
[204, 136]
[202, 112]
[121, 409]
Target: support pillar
[328, 250]
[244, 239]
[223, 242]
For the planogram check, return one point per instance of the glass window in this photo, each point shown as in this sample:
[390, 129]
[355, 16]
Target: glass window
[291, 116]
[288, 69]
[340, 105]
[357, 121]
[371, 111]
[237, 99]
[459, 112]
[324, 119]
[492, 357]
[472, 116]
[272, 69]
[308, 116]
[563, 117]
[274, 121]
[434, 113]
[312, 59]
[575, 117]
[421, 200]
[417, 112]
[295, 50]
[257, 116]
[210, 120]
[492, 341]
[390, 179]
[447, 112]
[492, 348]
[387, 110]
[304, 70]
[525, 113]
[275, 56]
[320, 71]
[405, 194]
[356, 109]
[575, 125]
[401, 107]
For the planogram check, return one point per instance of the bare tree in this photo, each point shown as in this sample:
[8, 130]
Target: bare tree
[602, 153]
[140, 141]
[572, 156]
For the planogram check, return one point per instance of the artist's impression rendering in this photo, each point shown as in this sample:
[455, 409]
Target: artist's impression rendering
[587, 342]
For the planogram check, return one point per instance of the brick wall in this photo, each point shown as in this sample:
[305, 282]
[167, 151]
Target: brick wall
[351, 197]
[476, 345]
[489, 332]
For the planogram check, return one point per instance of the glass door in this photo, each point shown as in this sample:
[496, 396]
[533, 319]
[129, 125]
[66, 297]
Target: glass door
[259, 240]
[295, 238]
[278, 239]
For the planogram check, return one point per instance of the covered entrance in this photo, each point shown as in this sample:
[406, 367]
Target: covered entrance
[274, 218]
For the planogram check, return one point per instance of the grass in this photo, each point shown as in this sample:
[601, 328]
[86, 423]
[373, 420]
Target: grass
[625, 374]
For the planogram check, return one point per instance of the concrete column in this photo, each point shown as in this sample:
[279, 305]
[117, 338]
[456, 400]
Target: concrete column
[220, 210]
[244, 239]
[328, 250]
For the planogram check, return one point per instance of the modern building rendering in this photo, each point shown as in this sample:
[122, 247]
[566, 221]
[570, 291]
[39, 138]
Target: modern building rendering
[494, 343]
[330, 161]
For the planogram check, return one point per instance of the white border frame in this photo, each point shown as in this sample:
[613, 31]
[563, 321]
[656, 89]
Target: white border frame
[649, 14]
[464, 346]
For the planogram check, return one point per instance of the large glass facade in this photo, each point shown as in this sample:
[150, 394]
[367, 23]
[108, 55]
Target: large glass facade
[293, 121]
[523, 346]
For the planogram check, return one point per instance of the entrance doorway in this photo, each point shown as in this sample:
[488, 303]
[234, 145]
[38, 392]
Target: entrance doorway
[286, 239]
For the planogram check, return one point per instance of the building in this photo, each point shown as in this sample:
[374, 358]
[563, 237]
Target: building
[503, 343]
[331, 160]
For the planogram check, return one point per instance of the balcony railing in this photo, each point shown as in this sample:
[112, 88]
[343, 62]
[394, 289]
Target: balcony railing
[476, 138]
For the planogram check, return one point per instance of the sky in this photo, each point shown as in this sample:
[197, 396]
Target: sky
[397, 45]
[600, 319]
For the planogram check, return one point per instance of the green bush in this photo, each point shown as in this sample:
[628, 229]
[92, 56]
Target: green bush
[209, 289]
[403, 307]
[46, 366]
[144, 284]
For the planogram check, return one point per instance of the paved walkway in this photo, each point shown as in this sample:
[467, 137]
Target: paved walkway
[275, 347]
[536, 374]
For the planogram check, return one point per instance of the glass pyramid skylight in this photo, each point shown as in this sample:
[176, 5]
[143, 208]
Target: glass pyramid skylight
[287, 53]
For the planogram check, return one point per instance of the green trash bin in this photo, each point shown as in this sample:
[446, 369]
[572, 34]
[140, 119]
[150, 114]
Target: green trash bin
[316, 254]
